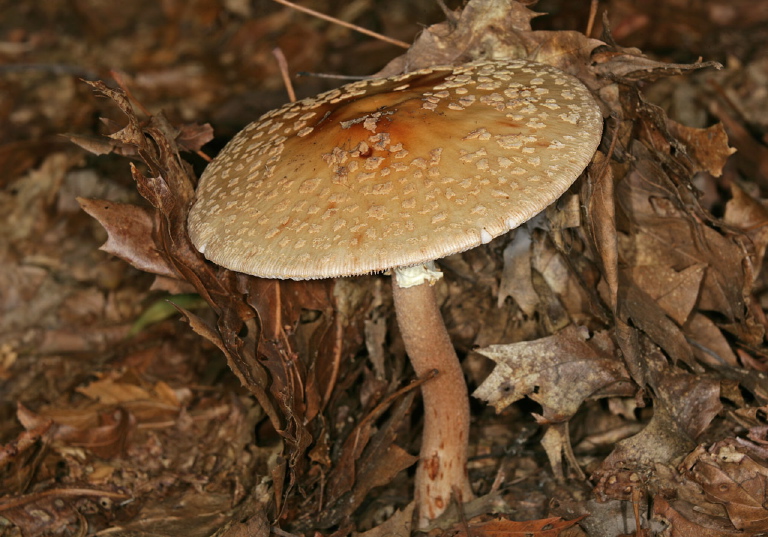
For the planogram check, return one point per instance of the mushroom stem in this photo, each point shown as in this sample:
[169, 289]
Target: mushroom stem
[442, 466]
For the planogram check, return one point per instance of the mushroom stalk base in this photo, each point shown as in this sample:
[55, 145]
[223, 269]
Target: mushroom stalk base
[442, 469]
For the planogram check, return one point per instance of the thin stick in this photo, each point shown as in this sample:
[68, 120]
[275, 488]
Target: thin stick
[592, 16]
[283, 65]
[354, 27]
[327, 75]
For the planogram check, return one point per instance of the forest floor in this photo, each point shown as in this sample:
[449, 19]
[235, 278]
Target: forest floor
[117, 418]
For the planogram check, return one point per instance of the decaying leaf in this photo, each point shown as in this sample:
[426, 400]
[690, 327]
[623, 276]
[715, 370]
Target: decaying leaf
[687, 520]
[548, 527]
[707, 149]
[128, 228]
[730, 475]
[675, 292]
[598, 192]
[538, 369]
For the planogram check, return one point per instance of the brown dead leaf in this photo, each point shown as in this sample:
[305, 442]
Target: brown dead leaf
[98, 145]
[108, 439]
[731, 476]
[480, 25]
[103, 431]
[752, 156]
[547, 527]
[709, 344]
[502, 26]
[128, 228]
[538, 369]
[107, 391]
[750, 215]
[666, 235]
[675, 292]
[667, 231]
[169, 188]
[557, 443]
[629, 66]
[707, 148]
[692, 401]
[601, 221]
[559, 288]
[684, 519]
[193, 137]
[368, 459]
[684, 406]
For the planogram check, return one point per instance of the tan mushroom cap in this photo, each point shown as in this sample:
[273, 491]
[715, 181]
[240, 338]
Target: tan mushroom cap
[394, 172]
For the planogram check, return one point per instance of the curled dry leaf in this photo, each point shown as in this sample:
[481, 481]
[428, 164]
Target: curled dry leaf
[287, 342]
[502, 27]
[169, 188]
[752, 156]
[369, 459]
[629, 65]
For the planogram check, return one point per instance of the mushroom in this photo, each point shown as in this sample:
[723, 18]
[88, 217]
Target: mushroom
[392, 174]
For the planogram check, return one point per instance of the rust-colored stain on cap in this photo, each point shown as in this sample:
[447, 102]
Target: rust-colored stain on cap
[386, 173]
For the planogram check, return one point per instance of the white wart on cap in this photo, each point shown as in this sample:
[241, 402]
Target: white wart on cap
[394, 172]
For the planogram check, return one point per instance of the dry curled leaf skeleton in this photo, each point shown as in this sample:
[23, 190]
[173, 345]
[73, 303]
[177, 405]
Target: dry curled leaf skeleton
[393, 174]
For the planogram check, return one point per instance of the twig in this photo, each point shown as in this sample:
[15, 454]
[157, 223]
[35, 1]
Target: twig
[354, 27]
[331, 75]
[283, 66]
[592, 17]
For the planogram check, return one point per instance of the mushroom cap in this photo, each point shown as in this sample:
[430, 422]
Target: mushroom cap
[387, 173]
